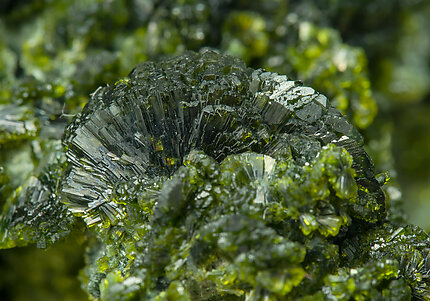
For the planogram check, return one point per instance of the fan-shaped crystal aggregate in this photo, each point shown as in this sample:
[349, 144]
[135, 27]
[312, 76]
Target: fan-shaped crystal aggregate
[144, 125]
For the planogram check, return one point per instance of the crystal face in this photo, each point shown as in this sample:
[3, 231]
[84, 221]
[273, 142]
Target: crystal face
[143, 127]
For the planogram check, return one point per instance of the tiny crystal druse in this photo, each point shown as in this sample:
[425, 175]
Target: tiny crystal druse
[207, 180]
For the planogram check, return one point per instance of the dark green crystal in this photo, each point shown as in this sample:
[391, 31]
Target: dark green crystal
[213, 103]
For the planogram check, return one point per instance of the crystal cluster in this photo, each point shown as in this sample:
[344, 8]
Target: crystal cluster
[144, 125]
[208, 180]
[53, 54]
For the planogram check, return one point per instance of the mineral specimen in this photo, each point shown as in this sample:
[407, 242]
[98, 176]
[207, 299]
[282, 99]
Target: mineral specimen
[54, 53]
[207, 180]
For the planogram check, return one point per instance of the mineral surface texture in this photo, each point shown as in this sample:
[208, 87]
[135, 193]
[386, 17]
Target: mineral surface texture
[202, 179]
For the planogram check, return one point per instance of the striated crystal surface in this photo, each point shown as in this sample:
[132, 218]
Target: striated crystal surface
[144, 125]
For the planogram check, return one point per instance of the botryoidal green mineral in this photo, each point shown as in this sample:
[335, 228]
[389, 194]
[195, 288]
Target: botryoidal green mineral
[203, 179]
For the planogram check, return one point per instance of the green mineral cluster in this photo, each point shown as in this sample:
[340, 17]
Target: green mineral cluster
[202, 179]
[197, 178]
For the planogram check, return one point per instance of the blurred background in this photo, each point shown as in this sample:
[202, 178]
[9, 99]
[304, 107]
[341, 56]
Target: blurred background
[370, 57]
